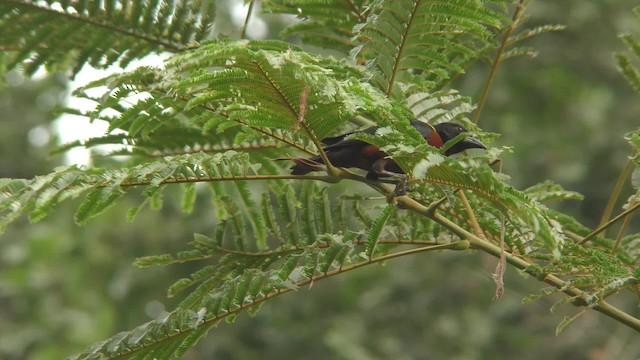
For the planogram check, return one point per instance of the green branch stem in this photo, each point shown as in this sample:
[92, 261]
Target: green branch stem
[356, 11]
[487, 247]
[206, 150]
[398, 55]
[321, 246]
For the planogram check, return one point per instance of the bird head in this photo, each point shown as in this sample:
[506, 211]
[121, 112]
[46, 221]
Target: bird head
[448, 131]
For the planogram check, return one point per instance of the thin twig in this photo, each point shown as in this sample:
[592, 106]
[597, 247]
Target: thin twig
[246, 20]
[609, 223]
[498, 275]
[498, 58]
[615, 195]
[623, 229]
[324, 178]
[472, 216]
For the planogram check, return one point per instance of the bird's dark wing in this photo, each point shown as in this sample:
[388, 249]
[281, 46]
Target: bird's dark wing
[335, 139]
[339, 142]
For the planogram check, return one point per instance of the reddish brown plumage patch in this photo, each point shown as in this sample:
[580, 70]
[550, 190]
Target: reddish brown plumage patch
[370, 150]
[434, 139]
[367, 156]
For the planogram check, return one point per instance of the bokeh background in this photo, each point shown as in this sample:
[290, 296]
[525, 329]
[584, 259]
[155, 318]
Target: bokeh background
[564, 112]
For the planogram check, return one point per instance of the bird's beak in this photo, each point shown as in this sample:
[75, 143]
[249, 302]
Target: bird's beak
[470, 143]
[464, 144]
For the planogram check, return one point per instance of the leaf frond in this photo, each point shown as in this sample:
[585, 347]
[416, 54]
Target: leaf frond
[70, 36]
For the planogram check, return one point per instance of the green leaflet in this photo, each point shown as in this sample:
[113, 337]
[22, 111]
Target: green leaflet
[376, 229]
[625, 62]
[330, 23]
[419, 43]
[630, 72]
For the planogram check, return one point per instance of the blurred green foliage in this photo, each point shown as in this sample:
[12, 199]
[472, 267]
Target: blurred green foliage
[63, 287]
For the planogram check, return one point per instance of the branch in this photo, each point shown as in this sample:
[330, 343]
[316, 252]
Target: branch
[480, 244]
[325, 178]
[356, 11]
[623, 229]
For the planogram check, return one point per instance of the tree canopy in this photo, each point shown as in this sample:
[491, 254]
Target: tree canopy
[224, 114]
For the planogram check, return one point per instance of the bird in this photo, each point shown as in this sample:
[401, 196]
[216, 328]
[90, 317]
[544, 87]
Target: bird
[353, 153]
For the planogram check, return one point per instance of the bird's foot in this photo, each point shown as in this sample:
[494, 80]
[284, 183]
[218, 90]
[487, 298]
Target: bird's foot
[401, 187]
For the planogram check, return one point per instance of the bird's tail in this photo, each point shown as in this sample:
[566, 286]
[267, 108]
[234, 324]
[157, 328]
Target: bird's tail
[304, 166]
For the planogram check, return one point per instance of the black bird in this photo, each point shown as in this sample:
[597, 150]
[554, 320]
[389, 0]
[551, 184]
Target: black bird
[352, 153]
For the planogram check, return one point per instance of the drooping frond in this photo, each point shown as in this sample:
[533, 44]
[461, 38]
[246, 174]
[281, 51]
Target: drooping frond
[102, 188]
[325, 23]
[533, 228]
[417, 45]
[69, 34]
